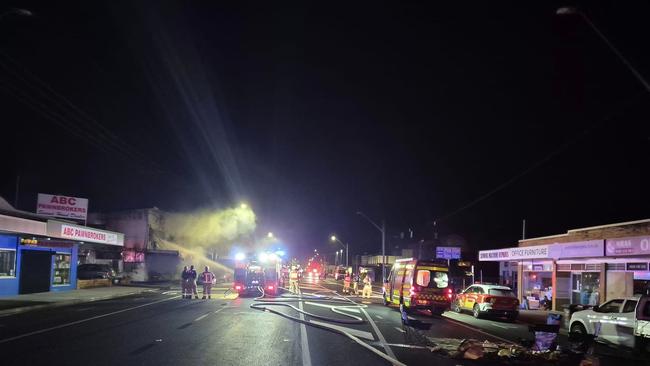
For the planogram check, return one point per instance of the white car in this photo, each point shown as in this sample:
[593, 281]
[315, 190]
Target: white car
[616, 319]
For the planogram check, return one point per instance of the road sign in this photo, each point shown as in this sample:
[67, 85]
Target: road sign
[448, 252]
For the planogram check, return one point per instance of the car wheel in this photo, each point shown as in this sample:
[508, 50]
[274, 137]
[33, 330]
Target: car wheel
[578, 328]
[456, 307]
[476, 311]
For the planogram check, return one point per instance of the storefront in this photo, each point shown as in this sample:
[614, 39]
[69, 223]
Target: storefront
[583, 266]
[42, 255]
[552, 275]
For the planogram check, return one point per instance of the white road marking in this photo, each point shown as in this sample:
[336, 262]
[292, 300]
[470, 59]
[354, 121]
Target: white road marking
[379, 317]
[82, 321]
[201, 317]
[304, 342]
[379, 335]
[400, 329]
[354, 332]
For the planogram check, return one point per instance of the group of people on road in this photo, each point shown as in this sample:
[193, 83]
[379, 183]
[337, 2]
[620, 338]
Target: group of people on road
[355, 280]
[188, 282]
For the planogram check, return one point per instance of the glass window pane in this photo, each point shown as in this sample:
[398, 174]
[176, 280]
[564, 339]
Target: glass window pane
[423, 278]
[61, 269]
[441, 279]
[629, 307]
[7, 263]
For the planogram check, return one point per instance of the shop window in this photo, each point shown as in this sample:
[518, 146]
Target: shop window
[585, 288]
[61, 269]
[7, 263]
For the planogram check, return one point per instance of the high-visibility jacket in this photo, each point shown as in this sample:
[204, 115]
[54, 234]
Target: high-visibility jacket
[208, 277]
[293, 275]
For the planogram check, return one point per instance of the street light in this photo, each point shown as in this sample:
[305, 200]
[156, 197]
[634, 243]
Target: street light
[569, 10]
[382, 230]
[243, 206]
[269, 235]
[336, 240]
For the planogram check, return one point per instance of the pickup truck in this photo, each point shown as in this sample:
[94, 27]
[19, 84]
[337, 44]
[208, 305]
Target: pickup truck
[621, 322]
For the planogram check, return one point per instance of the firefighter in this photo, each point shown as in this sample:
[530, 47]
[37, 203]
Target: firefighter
[346, 282]
[208, 280]
[355, 283]
[192, 283]
[184, 282]
[367, 287]
[293, 280]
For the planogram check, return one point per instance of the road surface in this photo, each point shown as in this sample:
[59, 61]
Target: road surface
[160, 328]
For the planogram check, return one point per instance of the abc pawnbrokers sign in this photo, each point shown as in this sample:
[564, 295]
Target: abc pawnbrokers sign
[62, 206]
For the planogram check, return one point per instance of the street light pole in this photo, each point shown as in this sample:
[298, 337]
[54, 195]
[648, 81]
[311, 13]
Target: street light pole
[610, 45]
[382, 230]
[337, 240]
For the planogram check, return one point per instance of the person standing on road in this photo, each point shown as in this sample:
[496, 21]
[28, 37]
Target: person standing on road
[346, 283]
[184, 283]
[208, 280]
[293, 280]
[192, 282]
[367, 287]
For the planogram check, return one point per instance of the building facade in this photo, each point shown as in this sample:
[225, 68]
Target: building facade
[583, 266]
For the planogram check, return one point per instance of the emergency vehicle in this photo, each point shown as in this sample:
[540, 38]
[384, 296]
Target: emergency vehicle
[262, 271]
[488, 299]
[418, 284]
[315, 269]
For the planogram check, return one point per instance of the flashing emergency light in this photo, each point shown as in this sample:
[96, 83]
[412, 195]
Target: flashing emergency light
[280, 253]
[263, 257]
[240, 256]
[272, 257]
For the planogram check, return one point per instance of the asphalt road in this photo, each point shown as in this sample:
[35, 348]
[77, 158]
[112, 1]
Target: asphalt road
[159, 328]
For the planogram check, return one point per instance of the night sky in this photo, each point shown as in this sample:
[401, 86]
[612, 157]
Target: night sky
[473, 115]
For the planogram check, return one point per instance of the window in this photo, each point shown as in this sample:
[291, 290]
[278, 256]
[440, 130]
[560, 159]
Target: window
[7, 263]
[61, 269]
[440, 279]
[613, 306]
[629, 307]
[501, 292]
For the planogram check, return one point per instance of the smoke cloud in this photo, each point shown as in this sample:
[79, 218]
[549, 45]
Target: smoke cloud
[209, 228]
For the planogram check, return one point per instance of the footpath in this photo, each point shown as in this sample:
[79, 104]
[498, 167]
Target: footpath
[28, 302]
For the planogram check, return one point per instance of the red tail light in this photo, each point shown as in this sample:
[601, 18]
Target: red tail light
[413, 290]
[449, 296]
[449, 291]
[238, 287]
[270, 287]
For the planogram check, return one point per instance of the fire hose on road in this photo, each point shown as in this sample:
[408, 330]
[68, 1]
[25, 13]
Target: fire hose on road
[265, 304]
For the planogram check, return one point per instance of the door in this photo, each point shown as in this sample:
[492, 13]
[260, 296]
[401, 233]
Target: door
[608, 314]
[624, 324]
[35, 271]
[471, 296]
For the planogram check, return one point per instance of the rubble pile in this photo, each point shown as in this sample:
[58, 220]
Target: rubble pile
[503, 353]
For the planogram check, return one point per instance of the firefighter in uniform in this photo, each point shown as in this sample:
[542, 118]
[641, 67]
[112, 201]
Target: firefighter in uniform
[367, 287]
[208, 280]
[184, 285]
[192, 283]
[293, 280]
[346, 282]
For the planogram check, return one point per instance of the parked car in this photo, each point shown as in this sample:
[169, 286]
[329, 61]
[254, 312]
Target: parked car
[482, 299]
[621, 322]
[96, 271]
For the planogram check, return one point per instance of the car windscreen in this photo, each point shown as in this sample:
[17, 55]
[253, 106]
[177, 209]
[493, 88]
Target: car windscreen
[432, 279]
[501, 292]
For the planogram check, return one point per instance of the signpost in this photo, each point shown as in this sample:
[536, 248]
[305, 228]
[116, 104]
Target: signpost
[62, 206]
[448, 253]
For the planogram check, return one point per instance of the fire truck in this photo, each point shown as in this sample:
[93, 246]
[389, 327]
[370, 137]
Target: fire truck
[315, 269]
[255, 272]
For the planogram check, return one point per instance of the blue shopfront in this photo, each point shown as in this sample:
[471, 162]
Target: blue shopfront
[31, 264]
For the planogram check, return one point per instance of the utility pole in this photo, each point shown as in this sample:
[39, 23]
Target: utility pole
[523, 230]
[383, 251]
[17, 191]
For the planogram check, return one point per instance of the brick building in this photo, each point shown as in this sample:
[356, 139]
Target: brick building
[583, 266]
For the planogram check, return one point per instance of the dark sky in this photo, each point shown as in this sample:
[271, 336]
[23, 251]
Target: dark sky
[312, 112]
